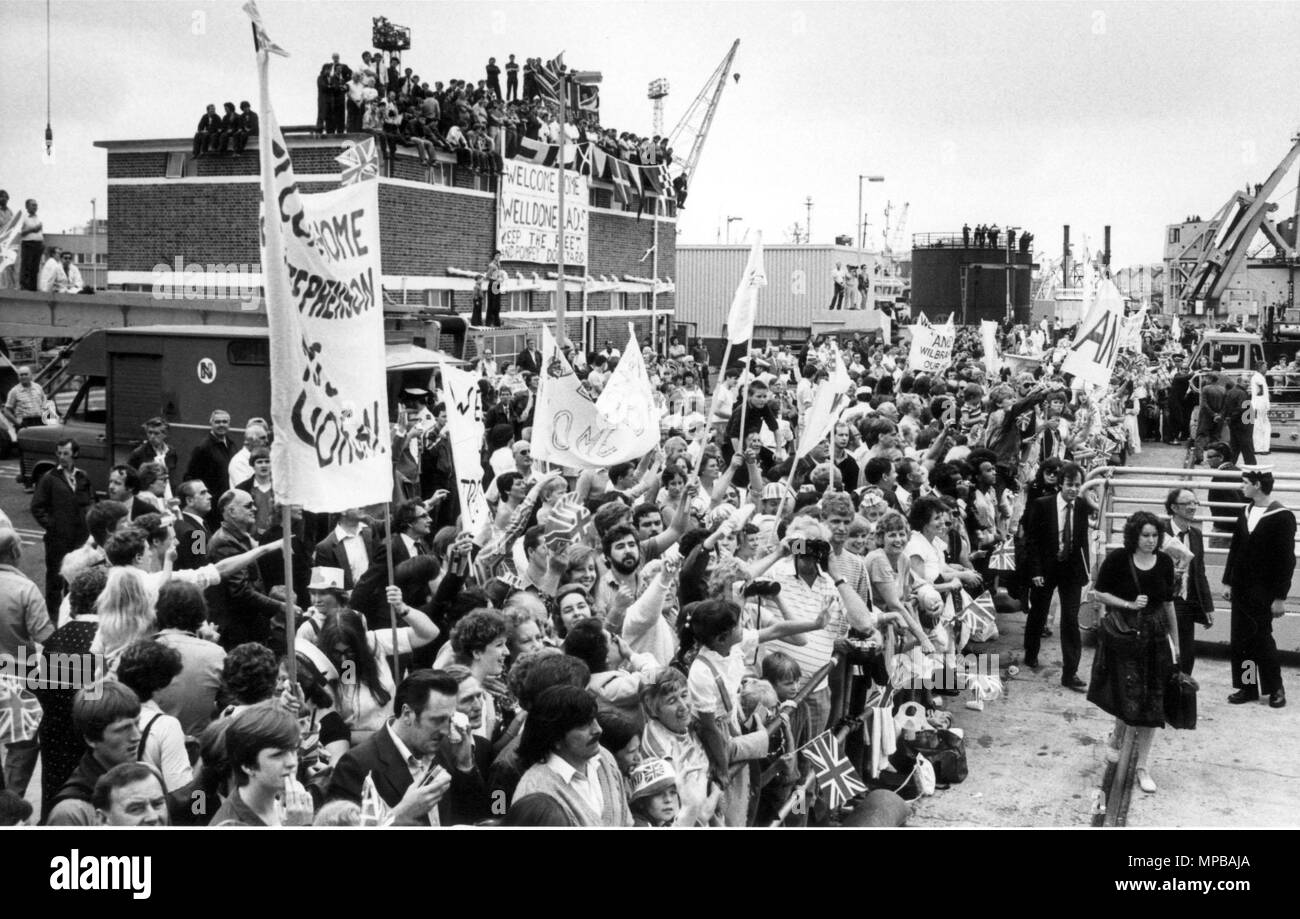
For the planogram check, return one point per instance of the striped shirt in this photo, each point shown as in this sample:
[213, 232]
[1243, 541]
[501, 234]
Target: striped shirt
[805, 603]
[853, 568]
[26, 401]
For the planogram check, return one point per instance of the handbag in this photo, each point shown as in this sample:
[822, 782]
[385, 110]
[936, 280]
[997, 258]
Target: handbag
[1117, 630]
[1180, 702]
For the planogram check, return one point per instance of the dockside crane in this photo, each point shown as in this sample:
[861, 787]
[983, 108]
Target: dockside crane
[693, 129]
[1226, 245]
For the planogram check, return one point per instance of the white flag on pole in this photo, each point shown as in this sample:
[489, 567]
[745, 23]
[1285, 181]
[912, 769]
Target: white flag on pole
[740, 321]
[830, 399]
[10, 235]
[992, 353]
[567, 426]
[324, 306]
[460, 394]
[1091, 356]
[628, 397]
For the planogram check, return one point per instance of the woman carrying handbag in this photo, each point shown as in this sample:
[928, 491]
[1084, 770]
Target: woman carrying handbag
[1135, 659]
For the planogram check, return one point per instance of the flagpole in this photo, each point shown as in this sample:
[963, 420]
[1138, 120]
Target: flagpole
[654, 284]
[722, 375]
[392, 607]
[290, 627]
[560, 304]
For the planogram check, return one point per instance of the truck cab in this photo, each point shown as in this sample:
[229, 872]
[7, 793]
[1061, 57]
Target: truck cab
[116, 379]
[1238, 353]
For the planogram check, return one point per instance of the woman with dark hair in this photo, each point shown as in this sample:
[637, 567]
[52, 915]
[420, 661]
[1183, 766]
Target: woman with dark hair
[365, 698]
[929, 520]
[572, 605]
[261, 751]
[561, 750]
[617, 672]
[1134, 658]
[146, 667]
[62, 747]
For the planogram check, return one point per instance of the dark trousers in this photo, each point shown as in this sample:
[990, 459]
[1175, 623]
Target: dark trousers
[477, 317]
[494, 309]
[1241, 440]
[837, 301]
[356, 114]
[1040, 599]
[512, 87]
[29, 270]
[55, 550]
[334, 113]
[1186, 636]
[1253, 648]
[322, 111]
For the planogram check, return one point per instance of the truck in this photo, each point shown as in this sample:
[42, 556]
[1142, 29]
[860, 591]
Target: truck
[112, 380]
[1237, 353]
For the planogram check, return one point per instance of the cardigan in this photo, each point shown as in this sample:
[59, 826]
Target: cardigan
[542, 779]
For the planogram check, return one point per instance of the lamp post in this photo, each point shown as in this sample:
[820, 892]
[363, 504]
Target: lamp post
[730, 221]
[583, 78]
[861, 179]
[94, 242]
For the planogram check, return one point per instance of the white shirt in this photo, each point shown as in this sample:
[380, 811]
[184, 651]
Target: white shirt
[412, 549]
[355, 547]
[54, 279]
[239, 467]
[418, 766]
[1254, 514]
[585, 783]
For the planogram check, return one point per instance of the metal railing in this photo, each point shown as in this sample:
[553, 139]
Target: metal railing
[1122, 490]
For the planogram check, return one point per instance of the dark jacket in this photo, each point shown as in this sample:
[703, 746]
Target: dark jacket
[239, 605]
[1043, 542]
[61, 509]
[530, 361]
[192, 543]
[329, 553]
[1260, 564]
[1226, 502]
[466, 801]
[210, 462]
[145, 453]
[1199, 599]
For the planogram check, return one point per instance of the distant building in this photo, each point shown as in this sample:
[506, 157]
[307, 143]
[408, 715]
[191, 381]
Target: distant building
[796, 299]
[1260, 282]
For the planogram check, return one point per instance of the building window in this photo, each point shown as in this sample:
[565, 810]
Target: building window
[484, 182]
[516, 301]
[254, 352]
[441, 174]
[1175, 234]
[438, 299]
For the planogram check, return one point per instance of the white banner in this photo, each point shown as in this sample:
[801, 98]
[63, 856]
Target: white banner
[628, 398]
[931, 350]
[830, 399]
[886, 327]
[740, 321]
[324, 306]
[465, 433]
[1132, 336]
[567, 426]
[528, 214]
[10, 235]
[992, 354]
[1092, 354]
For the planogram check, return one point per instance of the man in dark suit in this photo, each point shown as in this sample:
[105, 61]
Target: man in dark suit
[412, 524]
[331, 89]
[347, 548]
[1241, 434]
[239, 606]
[208, 133]
[210, 460]
[124, 488]
[1223, 501]
[1195, 603]
[529, 359]
[1056, 539]
[59, 505]
[193, 534]
[155, 449]
[420, 743]
[1261, 561]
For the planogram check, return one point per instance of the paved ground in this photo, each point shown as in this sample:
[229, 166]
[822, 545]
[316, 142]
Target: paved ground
[1036, 755]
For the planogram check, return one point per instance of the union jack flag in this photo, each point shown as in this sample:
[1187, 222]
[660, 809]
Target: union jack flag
[20, 712]
[980, 616]
[567, 522]
[835, 775]
[359, 162]
[1003, 557]
[581, 98]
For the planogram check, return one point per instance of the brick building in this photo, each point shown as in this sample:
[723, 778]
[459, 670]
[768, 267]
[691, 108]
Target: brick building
[438, 227]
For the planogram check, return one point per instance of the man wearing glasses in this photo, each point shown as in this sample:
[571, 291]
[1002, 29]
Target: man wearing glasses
[1193, 601]
[239, 606]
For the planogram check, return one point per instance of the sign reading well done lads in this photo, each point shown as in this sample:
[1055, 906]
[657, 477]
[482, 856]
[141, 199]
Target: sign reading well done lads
[528, 214]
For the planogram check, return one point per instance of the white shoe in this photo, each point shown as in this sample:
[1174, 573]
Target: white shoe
[1145, 781]
[1112, 751]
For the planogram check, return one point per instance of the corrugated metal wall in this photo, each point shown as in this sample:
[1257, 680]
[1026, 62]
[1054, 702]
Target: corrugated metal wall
[798, 292]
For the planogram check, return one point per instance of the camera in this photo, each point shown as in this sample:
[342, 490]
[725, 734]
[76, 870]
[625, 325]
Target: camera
[762, 589]
[819, 548]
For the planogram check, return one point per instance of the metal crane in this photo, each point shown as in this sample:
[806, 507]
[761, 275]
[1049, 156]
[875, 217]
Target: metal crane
[1225, 247]
[693, 129]
[896, 238]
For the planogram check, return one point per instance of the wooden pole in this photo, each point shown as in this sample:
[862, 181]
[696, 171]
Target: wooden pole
[392, 609]
[722, 374]
[290, 626]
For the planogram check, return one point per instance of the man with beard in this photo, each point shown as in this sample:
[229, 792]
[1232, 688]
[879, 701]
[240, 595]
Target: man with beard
[617, 589]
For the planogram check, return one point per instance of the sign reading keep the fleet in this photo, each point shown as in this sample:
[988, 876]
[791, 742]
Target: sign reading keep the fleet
[528, 214]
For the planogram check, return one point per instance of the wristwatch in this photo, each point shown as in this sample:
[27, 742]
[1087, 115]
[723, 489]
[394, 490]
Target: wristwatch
[840, 581]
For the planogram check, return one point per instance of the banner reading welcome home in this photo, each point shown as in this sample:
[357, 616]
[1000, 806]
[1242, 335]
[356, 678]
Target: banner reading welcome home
[324, 306]
[528, 214]
[931, 350]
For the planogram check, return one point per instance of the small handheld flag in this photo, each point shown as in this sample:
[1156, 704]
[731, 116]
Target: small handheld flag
[835, 775]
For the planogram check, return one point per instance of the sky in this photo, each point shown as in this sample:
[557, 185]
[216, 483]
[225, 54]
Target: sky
[1023, 114]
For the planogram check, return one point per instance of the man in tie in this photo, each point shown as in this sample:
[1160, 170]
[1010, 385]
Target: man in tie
[59, 505]
[346, 548]
[331, 88]
[1056, 536]
[1194, 603]
[192, 530]
[530, 359]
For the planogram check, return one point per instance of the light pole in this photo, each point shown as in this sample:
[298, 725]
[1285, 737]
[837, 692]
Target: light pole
[94, 242]
[583, 78]
[807, 227]
[861, 179]
[730, 221]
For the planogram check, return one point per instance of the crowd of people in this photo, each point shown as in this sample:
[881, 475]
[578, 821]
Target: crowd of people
[986, 236]
[227, 134]
[655, 642]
